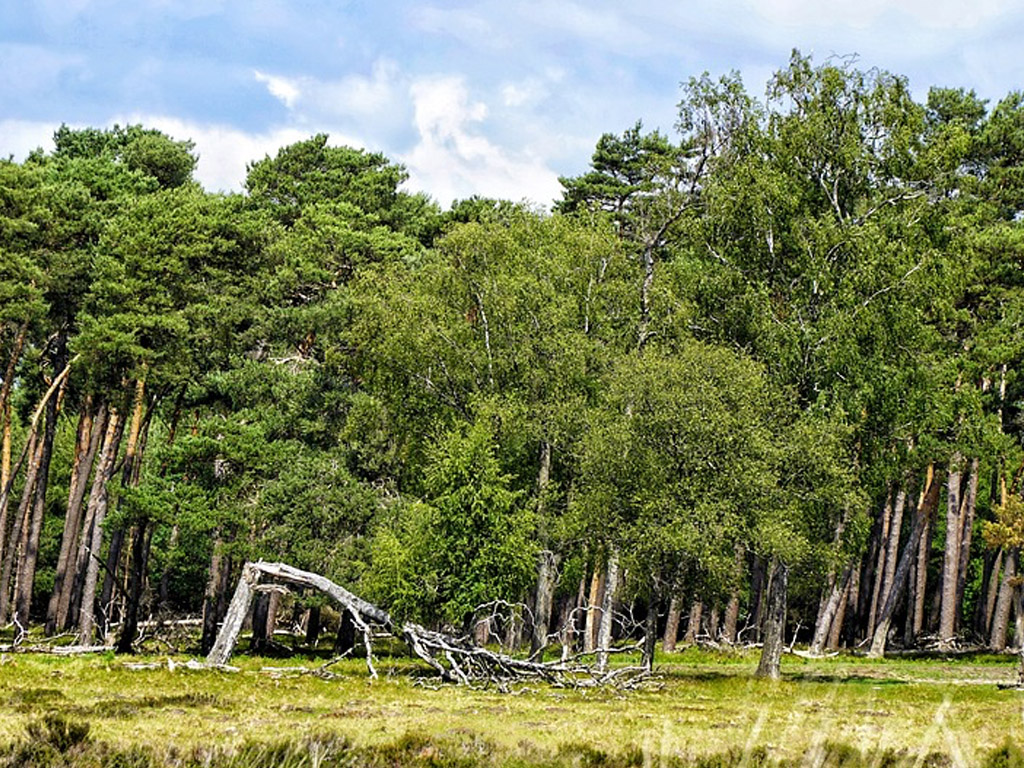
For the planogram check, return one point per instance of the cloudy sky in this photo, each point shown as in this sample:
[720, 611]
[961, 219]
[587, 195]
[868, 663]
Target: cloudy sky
[497, 97]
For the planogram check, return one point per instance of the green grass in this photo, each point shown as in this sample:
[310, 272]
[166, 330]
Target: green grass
[704, 706]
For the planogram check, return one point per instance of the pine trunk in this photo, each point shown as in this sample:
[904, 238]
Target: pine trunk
[547, 579]
[30, 555]
[213, 583]
[16, 541]
[827, 614]
[951, 560]
[5, 409]
[923, 550]
[92, 539]
[883, 538]
[992, 593]
[966, 534]
[90, 431]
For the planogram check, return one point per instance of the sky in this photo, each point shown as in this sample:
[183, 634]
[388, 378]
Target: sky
[496, 98]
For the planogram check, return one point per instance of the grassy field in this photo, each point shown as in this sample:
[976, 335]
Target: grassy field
[702, 705]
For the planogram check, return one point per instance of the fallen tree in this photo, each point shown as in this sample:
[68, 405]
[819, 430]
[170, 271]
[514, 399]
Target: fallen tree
[454, 659]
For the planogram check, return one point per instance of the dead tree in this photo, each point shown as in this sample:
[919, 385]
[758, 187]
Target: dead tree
[456, 660]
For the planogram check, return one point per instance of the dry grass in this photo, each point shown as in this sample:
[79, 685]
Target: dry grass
[705, 704]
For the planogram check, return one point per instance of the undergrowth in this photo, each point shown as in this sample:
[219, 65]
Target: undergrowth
[55, 741]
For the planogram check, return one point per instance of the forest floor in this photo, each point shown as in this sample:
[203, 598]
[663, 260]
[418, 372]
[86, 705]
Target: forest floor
[701, 704]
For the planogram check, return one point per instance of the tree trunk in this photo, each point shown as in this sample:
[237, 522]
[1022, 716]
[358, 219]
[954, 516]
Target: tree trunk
[129, 478]
[92, 527]
[213, 583]
[732, 610]
[140, 561]
[16, 543]
[165, 574]
[346, 638]
[835, 633]
[892, 546]
[775, 622]
[671, 636]
[827, 614]
[923, 550]
[713, 623]
[966, 532]
[924, 511]
[879, 580]
[757, 596]
[312, 625]
[547, 579]
[30, 555]
[593, 610]
[693, 622]
[992, 593]
[604, 635]
[951, 561]
[5, 410]
[650, 633]
[1004, 603]
[90, 431]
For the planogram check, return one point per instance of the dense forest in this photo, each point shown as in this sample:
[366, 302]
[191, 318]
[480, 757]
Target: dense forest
[755, 381]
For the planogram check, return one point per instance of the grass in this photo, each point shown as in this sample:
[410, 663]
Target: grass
[706, 706]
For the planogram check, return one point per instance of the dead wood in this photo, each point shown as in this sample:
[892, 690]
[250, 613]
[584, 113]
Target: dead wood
[454, 659]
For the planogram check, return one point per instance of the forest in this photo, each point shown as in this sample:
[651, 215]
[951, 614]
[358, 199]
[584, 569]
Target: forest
[754, 381]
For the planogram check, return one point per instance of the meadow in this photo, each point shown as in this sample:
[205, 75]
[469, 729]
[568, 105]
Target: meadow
[703, 708]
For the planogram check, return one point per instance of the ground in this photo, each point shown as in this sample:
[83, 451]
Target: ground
[703, 703]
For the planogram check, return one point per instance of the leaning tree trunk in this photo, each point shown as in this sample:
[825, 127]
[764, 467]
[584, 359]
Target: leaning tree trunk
[15, 544]
[1004, 603]
[93, 537]
[732, 610]
[992, 593]
[213, 582]
[5, 407]
[90, 431]
[30, 555]
[883, 549]
[775, 622]
[923, 550]
[910, 551]
[827, 615]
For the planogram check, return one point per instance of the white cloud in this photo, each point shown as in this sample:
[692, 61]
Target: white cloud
[287, 91]
[19, 137]
[453, 160]
[936, 14]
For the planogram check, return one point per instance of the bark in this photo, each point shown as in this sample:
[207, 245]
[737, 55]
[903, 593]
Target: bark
[593, 610]
[604, 635]
[924, 511]
[30, 554]
[345, 641]
[675, 611]
[757, 596]
[876, 591]
[93, 539]
[90, 432]
[732, 610]
[140, 560]
[713, 623]
[853, 604]
[547, 579]
[15, 543]
[129, 478]
[693, 622]
[5, 405]
[966, 532]
[924, 548]
[775, 622]
[892, 546]
[210, 597]
[835, 633]
[827, 615]
[165, 576]
[992, 593]
[951, 560]
[312, 625]
[1004, 603]
[650, 633]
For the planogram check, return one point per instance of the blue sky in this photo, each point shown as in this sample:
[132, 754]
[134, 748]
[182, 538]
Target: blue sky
[495, 98]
